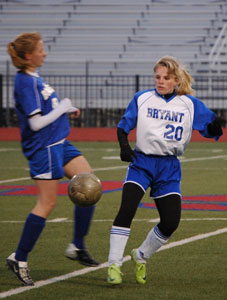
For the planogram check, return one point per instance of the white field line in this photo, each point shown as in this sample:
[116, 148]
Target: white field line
[95, 170]
[125, 166]
[77, 273]
[14, 179]
[9, 149]
[117, 150]
[156, 220]
[203, 158]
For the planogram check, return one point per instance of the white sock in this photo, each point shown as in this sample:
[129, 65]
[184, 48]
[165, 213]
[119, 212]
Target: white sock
[154, 240]
[118, 240]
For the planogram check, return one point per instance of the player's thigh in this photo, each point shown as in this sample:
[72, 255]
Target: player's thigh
[77, 165]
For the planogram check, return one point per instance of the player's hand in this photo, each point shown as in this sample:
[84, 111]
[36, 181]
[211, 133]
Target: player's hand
[68, 107]
[75, 114]
[127, 154]
[215, 128]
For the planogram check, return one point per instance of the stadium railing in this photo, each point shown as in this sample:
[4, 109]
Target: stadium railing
[103, 99]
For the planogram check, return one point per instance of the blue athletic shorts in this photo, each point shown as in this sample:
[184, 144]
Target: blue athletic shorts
[48, 163]
[161, 173]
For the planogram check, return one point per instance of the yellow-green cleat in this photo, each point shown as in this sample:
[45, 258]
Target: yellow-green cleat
[140, 269]
[114, 275]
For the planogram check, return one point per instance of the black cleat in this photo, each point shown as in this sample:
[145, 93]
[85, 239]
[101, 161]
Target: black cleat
[81, 255]
[85, 259]
[20, 269]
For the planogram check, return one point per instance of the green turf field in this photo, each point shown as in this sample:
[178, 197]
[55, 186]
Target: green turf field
[187, 270]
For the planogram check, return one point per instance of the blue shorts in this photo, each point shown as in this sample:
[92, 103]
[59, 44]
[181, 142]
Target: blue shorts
[49, 162]
[161, 173]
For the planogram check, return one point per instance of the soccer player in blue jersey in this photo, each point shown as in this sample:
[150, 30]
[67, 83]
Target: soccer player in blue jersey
[44, 128]
[164, 118]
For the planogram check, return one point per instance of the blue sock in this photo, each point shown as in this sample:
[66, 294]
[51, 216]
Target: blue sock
[82, 220]
[32, 229]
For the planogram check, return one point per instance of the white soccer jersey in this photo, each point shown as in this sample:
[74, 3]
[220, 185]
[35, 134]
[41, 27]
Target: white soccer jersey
[164, 126]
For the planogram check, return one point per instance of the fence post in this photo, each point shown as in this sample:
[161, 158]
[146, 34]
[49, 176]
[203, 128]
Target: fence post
[7, 111]
[86, 112]
[137, 83]
[1, 101]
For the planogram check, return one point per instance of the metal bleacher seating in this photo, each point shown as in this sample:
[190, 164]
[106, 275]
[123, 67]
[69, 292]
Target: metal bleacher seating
[115, 37]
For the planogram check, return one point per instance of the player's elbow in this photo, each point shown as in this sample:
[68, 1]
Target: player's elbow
[35, 122]
[35, 127]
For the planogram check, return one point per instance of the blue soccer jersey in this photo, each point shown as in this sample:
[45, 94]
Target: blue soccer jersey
[33, 95]
[164, 127]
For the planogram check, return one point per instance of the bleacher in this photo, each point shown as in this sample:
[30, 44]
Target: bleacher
[116, 37]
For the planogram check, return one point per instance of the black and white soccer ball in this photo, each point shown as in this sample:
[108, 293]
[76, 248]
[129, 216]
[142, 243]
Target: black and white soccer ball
[85, 189]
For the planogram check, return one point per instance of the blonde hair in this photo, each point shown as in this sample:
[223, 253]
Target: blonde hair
[24, 43]
[176, 69]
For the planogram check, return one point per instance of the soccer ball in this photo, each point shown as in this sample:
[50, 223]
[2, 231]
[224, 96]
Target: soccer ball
[85, 189]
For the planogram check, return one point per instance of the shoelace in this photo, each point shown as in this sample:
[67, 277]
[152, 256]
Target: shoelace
[118, 271]
[24, 272]
[140, 266]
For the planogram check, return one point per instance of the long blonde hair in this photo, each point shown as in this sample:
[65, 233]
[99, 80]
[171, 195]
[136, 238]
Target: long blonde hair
[24, 43]
[176, 69]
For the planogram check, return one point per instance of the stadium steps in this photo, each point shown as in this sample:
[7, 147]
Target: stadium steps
[116, 37]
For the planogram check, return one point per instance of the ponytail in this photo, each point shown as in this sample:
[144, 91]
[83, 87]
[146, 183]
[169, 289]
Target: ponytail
[24, 43]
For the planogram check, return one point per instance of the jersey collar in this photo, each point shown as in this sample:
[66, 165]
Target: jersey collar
[36, 74]
[164, 98]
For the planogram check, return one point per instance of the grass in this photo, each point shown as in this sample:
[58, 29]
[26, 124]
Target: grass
[193, 271]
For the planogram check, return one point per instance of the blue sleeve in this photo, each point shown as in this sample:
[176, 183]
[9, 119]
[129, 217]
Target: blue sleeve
[202, 117]
[28, 95]
[129, 119]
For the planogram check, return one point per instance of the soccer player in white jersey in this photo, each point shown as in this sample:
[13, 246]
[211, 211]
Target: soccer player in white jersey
[44, 127]
[164, 118]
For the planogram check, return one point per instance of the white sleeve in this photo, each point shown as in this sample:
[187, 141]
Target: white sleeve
[37, 122]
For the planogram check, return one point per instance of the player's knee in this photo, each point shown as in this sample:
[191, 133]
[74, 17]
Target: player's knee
[124, 217]
[168, 227]
[49, 206]
[131, 196]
